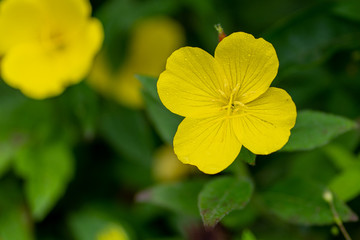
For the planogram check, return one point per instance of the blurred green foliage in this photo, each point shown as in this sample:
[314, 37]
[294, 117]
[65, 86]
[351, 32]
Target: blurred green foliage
[73, 165]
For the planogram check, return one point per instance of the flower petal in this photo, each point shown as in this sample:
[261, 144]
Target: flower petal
[20, 21]
[266, 126]
[67, 14]
[251, 63]
[40, 73]
[210, 144]
[79, 54]
[29, 68]
[190, 84]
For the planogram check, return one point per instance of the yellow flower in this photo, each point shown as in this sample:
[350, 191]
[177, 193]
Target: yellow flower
[47, 45]
[113, 232]
[227, 102]
[152, 42]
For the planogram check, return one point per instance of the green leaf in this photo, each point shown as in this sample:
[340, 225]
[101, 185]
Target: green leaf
[165, 122]
[247, 156]
[315, 129]
[127, 131]
[241, 218]
[10, 99]
[181, 197]
[15, 223]
[300, 201]
[346, 185]
[149, 86]
[221, 196]
[47, 170]
[349, 9]
[15, 130]
[307, 164]
[342, 158]
[248, 235]
[80, 106]
[15, 127]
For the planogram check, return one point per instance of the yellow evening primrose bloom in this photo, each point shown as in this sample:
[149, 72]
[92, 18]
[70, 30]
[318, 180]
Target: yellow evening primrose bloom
[227, 102]
[152, 42]
[113, 232]
[47, 45]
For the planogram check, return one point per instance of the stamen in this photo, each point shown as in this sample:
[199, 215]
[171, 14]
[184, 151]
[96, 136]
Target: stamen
[230, 104]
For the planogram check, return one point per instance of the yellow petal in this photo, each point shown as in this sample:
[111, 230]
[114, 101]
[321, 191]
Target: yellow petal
[29, 68]
[40, 73]
[191, 84]
[249, 63]
[210, 144]
[20, 21]
[67, 14]
[265, 126]
[47, 44]
[79, 54]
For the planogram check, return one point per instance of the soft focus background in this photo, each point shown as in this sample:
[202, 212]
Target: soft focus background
[97, 162]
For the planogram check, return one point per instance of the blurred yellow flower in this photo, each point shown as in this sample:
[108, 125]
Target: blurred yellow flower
[47, 45]
[113, 232]
[152, 42]
[227, 101]
[167, 167]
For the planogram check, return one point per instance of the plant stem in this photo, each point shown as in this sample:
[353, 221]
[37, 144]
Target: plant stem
[329, 199]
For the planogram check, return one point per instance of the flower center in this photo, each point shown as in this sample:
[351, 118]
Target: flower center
[54, 41]
[233, 107]
[58, 40]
